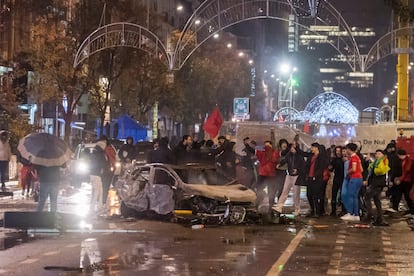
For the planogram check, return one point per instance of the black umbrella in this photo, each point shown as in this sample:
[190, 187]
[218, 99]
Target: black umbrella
[44, 149]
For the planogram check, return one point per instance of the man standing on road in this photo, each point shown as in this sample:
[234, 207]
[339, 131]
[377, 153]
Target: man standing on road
[404, 182]
[337, 167]
[315, 166]
[395, 171]
[247, 163]
[127, 151]
[295, 163]
[183, 152]
[268, 158]
[49, 178]
[108, 175]
[5, 155]
[353, 184]
[161, 153]
[377, 172]
[99, 165]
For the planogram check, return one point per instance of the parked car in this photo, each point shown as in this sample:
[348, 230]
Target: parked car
[79, 166]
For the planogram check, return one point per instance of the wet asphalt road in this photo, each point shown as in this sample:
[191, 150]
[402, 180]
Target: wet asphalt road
[324, 246]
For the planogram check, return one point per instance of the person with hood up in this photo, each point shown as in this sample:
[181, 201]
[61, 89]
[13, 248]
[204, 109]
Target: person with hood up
[127, 151]
[268, 158]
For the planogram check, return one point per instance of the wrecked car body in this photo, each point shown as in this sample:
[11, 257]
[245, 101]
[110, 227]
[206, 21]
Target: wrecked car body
[159, 190]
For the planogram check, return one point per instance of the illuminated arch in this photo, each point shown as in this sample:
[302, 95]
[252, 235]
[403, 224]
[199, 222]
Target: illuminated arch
[214, 16]
[387, 45]
[211, 17]
[125, 35]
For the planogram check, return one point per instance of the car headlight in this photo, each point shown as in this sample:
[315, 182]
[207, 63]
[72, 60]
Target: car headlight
[82, 167]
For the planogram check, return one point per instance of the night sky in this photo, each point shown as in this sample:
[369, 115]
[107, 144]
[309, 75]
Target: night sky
[357, 13]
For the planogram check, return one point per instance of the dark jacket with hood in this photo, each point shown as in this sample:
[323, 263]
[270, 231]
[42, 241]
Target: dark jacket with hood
[98, 163]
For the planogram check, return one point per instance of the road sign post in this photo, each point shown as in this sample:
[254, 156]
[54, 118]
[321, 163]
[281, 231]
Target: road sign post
[241, 108]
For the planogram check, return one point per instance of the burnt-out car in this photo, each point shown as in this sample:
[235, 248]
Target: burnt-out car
[159, 189]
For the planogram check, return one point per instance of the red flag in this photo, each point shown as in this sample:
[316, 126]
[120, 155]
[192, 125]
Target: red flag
[213, 123]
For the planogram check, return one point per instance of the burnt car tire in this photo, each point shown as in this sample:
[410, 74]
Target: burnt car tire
[127, 212]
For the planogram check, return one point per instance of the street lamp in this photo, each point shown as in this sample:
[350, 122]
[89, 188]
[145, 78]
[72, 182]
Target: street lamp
[285, 68]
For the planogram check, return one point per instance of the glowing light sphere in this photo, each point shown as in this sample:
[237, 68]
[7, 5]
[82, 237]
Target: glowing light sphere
[331, 107]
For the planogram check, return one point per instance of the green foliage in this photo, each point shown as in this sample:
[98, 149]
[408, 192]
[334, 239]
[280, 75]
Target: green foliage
[214, 75]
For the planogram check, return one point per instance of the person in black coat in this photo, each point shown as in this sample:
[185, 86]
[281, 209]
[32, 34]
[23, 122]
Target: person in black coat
[127, 152]
[99, 165]
[316, 164]
[295, 165]
[183, 153]
[337, 167]
[226, 161]
[162, 153]
[49, 178]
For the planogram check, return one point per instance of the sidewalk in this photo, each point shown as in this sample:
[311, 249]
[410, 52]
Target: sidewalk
[70, 201]
[11, 187]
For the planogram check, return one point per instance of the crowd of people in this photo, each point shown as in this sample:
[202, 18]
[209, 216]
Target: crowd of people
[339, 175]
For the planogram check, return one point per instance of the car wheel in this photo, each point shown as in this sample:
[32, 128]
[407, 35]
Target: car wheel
[127, 212]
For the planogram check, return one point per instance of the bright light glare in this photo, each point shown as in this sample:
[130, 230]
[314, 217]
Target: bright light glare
[285, 68]
[82, 202]
[250, 61]
[229, 45]
[216, 36]
[82, 167]
[84, 225]
[241, 54]
[197, 22]
[180, 7]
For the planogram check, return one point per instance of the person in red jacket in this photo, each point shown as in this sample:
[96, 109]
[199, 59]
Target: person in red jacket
[268, 158]
[404, 182]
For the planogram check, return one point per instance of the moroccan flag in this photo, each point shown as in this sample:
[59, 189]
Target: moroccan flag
[213, 123]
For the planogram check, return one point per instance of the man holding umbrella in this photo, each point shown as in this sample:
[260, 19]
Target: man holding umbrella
[49, 178]
[48, 153]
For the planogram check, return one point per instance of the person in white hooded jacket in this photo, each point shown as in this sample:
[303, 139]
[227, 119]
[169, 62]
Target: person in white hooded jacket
[5, 155]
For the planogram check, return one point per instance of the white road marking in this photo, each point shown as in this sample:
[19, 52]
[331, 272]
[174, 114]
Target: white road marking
[29, 261]
[389, 256]
[278, 265]
[72, 245]
[50, 253]
[337, 254]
